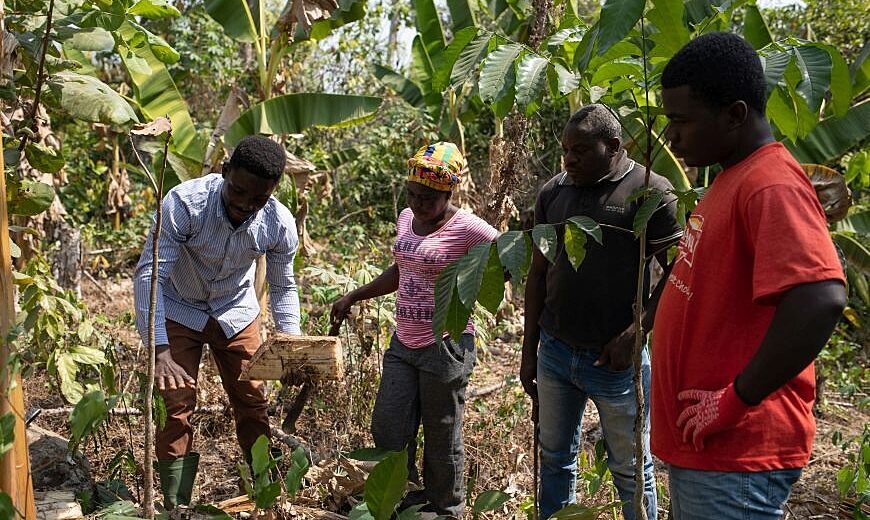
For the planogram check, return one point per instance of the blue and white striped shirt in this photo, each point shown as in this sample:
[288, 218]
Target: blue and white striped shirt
[206, 267]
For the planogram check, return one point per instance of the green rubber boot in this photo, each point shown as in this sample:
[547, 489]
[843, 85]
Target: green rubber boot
[176, 479]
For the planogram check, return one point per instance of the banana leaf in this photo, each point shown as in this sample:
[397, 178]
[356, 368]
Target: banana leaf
[294, 113]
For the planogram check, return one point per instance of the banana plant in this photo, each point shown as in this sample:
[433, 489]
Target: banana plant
[300, 20]
[432, 59]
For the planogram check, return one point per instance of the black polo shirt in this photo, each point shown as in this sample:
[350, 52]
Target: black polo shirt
[588, 307]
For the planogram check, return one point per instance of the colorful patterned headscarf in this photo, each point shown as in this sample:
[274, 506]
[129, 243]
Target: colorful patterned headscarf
[439, 165]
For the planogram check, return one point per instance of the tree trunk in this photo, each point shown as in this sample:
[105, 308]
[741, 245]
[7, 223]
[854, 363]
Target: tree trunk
[509, 156]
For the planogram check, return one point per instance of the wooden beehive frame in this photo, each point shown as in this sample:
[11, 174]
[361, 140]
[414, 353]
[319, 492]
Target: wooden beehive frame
[317, 357]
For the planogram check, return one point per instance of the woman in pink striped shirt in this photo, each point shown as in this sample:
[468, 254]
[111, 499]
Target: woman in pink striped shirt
[422, 382]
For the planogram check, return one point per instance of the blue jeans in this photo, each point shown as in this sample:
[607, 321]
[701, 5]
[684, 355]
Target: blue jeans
[566, 380]
[698, 495]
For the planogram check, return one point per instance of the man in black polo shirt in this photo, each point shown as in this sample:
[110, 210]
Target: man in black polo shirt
[582, 319]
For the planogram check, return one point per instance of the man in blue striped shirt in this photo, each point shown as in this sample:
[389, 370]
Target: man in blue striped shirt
[214, 228]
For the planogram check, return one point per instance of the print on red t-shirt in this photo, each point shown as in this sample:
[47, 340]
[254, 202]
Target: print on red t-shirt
[758, 232]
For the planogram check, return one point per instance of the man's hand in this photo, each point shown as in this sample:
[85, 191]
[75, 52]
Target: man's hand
[616, 355]
[340, 309]
[713, 411]
[528, 374]
[168, 374]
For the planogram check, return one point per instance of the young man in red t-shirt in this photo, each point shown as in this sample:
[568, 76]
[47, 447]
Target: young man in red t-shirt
[754, 294]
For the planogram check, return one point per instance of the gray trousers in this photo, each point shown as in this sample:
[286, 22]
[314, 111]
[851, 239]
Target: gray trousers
[427, 385]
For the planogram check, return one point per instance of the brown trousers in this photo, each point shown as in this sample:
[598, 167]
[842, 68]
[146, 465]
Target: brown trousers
[246, 397]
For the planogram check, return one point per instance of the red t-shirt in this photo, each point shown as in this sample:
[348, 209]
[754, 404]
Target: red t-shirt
[758, 232]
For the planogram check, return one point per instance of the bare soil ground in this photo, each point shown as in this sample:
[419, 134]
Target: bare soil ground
[497, 428]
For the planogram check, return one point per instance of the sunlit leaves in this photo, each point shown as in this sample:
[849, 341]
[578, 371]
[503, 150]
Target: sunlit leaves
[545, 239]
[531, 79]
[618, 17]
[89, 99]
[293, 113]
[495, 71]
[386, 485]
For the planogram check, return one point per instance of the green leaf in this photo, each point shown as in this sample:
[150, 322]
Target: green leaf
[108, 17]
[157, 95]
[490, 501]
[7, 432]
[386, 485]
[89, 99]
[841, 82]
[833, 137]
[161, 50]
[235, 17]
[44, 158]
[646, 210]
[7, 509]
[298, 469]
[664, 162]
[858, 284]
[410, 513]
[514, 253]
[618, 17]
[429, 26]
[461, 14]
[457, 316]
[87, 415]
[495, 71]
[774, 62]
[67, 370]
[469, 273]
[29, 197]
[368, 454]
[672, 34]
[445, 287]
[348, 11]
[845, 479]
[531, 79]
[293, 113]
[607, 72]
[468, 59]
[578, 512]
[443, 66]
[261, 460]
[781, 112]
[857, 255]
[88, 355]
[504, 103]
[154, 9]
[586, 48]
[491, 291]
[589, 226]
[211, 512]
[755, 29]
[857, 221]
[267, 495]
[360, 512]
[575, 244]
[421, 73]
[404, 87]
[544, 238]
[567, 81]
[94, 39]
[815, 66]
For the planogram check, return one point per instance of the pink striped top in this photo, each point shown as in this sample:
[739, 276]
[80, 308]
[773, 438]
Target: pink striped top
[420, 259]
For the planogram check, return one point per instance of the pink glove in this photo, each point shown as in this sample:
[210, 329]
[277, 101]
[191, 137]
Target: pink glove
[713, 411]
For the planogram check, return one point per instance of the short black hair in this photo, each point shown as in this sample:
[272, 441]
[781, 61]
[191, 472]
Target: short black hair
[598, 120]
[720, 68]
[260, 156]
